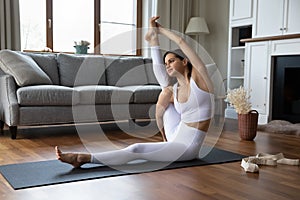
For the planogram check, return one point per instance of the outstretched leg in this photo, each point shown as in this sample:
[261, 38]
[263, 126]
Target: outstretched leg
[185, 146]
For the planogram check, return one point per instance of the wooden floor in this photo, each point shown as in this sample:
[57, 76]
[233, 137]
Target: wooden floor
[222, 181]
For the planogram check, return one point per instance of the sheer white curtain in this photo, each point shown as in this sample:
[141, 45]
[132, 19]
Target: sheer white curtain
[149, 10]
[174, 15]
[10, 25]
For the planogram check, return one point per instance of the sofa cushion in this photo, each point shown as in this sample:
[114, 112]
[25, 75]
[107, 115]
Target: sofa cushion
[144, 93]
[23, 68]
[104, 94]
[76, 70]
[125, 71]
[48, 63]
[47, 95]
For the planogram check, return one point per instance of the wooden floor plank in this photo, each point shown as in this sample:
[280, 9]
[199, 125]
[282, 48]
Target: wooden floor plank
[223, 181]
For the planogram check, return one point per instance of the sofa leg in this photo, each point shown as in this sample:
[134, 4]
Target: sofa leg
[1, 127]
[13, 131]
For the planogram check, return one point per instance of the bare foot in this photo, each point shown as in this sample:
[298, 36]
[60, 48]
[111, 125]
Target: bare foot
[75, 159]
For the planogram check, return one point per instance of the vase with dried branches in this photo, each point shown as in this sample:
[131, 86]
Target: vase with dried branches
[239, 99]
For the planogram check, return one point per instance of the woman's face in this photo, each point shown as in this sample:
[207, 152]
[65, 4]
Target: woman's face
[174, 65]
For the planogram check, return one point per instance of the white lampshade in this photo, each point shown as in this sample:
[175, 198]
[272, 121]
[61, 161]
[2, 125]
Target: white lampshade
[196, 26]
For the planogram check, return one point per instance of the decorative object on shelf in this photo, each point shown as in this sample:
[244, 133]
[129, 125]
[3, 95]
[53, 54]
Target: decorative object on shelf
[47, 49]
[242, 66]
[81, 47]
[247, 118]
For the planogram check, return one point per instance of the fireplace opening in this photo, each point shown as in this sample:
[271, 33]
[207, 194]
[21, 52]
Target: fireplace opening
[286, 89]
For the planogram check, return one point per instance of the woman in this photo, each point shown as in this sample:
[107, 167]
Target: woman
[183, 111]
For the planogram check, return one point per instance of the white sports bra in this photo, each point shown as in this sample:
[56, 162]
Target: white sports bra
[198, 107]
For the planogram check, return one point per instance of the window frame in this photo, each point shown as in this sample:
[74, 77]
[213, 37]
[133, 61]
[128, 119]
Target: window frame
[97, 31]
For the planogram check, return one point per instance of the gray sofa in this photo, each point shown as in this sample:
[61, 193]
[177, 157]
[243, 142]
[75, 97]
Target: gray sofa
[49, 89]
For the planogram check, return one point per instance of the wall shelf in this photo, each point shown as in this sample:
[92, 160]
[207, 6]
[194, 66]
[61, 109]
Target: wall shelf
[237, 77]
[240, 28]
[238, 48]
[237, 55]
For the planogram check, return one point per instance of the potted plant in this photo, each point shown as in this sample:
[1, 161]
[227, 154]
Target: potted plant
[81, 47]
[239, 99]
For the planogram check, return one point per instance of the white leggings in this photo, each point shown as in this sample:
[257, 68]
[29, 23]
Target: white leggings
[184, 143]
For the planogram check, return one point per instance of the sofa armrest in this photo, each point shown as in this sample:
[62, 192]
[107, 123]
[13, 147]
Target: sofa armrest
[9, 107]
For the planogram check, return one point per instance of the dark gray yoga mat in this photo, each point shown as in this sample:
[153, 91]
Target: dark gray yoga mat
[34, 174]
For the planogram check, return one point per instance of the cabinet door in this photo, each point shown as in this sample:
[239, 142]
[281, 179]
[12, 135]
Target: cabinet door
[241, 9]
[292, 21]
[256, 77]
[269, 18]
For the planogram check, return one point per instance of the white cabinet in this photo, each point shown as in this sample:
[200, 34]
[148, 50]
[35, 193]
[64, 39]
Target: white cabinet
[292, 21]
[276, 17]
[240, 27]
[256, 19]
[241, 11]
[257, 77]
[259, 61]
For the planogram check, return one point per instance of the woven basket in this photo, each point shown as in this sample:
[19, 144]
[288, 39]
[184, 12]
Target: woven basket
[247, 124]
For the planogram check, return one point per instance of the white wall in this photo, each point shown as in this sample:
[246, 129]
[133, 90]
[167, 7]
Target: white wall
[216, 13]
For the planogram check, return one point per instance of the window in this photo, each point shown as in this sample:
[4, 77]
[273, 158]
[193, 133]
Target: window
[109, 25]
[118, 35]
[72, 21]
[33, 23]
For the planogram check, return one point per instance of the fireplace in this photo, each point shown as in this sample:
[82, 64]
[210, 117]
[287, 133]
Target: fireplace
[286, 88]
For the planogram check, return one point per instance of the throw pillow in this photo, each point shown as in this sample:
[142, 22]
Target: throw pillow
[23, 68]
[47, 62]
[125, 71]
[76, 70]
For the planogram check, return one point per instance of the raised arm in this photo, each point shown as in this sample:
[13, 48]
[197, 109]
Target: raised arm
[199, 70]
[159, 68]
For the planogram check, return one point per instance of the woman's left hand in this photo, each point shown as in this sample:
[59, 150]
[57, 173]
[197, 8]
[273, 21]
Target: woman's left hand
[153, 23]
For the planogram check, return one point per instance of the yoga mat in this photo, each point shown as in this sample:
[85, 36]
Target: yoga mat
[34, 174]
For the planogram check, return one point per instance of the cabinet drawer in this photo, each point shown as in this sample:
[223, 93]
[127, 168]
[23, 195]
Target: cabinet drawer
[286, 47]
